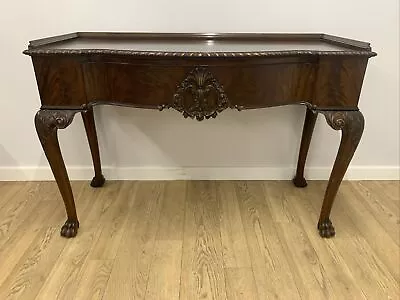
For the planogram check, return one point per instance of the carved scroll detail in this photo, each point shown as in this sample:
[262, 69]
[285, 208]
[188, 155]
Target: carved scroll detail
[350, 122]
[200, 96]
[48, 121]
[336, 119]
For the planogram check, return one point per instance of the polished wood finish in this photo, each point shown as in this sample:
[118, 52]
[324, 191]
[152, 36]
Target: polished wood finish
[135, 240]
[309, 124]
[351, 123]
[90, 128]
[47, 123]
[200, 75]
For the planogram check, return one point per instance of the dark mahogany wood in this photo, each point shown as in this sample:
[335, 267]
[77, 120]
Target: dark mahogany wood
[90, 128]
[351, 123]
[309, 124]
[199, 75]
[47, 123]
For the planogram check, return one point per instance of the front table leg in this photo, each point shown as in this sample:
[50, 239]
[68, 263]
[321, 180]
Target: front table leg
[47, 123]
[351, 123]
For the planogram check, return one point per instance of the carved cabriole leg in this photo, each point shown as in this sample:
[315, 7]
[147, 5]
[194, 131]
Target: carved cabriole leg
[47, 123]
[351, 123]
[88, 120]
[309, 124]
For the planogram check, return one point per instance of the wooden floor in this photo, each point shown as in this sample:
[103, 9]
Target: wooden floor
[200, 240]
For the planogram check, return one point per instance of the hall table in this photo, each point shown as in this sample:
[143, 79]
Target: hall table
[199, 75]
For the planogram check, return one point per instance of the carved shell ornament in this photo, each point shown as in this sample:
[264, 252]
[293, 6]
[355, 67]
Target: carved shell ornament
[200, 96]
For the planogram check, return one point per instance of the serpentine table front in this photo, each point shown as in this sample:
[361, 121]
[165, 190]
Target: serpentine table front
[199, 75]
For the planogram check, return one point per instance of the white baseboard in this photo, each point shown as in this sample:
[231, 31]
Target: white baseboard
[199, 173]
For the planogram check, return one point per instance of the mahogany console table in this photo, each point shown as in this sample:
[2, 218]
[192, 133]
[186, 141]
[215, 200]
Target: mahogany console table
[199, 75]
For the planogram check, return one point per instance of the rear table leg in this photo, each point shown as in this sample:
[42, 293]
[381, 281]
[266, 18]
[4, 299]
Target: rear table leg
[309, 124]
[88, 120]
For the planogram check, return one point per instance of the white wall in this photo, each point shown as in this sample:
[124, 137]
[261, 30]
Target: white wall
[152, 144]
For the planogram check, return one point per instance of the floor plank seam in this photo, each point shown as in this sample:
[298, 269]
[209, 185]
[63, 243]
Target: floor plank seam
[183, 239]
[155, 242]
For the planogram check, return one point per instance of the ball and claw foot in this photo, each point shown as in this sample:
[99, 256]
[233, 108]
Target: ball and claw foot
[299, 182]
[98, 181]
[70, 228]
[326, 229]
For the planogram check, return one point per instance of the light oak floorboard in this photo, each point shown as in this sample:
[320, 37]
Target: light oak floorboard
[130, 273]
[94, 279]
[8, 189]
[113, 222]
[386, 212]
[240, 284]
[13, 213]
[271, 268]
[366, 266]
[202, 274]
[66, 274]
[234, 243]
[342, 281]
[378, 238]
[165, 271]
[200, 240]
[34, 267]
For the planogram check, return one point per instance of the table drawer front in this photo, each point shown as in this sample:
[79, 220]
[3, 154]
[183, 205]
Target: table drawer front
[267, 85]
[136, 85]
[60, 81]
[198, 89]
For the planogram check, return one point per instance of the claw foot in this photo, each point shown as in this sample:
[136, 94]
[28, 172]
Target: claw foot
[326, 229]
[98, 181]
[299, 182]
[70, 228]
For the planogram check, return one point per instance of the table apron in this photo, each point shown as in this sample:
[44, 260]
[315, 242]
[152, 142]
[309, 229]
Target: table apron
[323, 83]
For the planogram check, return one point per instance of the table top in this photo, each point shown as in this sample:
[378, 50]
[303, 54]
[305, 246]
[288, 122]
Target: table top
[186, 44]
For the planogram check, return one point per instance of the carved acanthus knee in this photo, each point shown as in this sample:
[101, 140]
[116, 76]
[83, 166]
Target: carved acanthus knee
[47, 122]
[350, 122]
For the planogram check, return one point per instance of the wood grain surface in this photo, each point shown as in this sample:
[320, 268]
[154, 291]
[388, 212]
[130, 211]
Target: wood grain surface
[200, 240]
